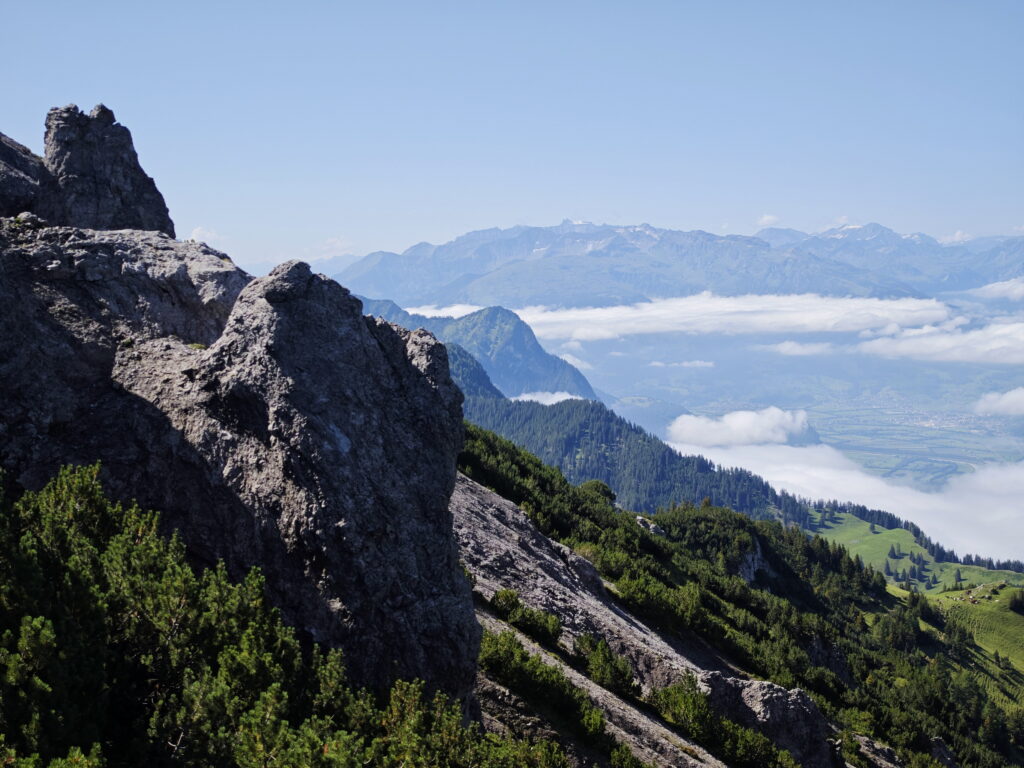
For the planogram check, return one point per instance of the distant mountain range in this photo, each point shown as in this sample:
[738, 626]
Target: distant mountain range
[501, 343]
[582, 264]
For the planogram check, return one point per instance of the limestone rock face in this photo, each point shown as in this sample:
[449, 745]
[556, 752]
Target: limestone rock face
[96, 180]
[877, 755]
[504, 550]
[90, 176]
[268, 420]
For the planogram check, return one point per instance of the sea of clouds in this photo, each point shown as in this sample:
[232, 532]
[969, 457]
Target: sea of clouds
[919, 329]
[978, 512]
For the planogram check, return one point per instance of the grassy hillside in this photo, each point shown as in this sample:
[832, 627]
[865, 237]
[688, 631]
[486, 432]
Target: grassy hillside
[986, 612]
[873, 547]
[998, 632]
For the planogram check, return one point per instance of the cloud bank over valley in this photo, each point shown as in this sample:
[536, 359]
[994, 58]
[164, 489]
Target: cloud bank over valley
[770, 425]
[1001, 403]
[707, 313]
[972, 513]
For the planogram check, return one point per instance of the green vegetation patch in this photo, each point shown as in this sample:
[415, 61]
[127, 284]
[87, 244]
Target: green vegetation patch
[114, 650]
[886, 664]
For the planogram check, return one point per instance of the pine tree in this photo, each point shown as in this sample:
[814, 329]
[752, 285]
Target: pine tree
[888, 568]
[892, 552]
[957, 577]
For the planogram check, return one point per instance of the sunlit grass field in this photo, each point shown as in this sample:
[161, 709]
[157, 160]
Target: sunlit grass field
[873, 547]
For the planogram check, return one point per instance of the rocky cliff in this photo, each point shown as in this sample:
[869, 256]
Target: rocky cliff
[89, 176]
[269, 420]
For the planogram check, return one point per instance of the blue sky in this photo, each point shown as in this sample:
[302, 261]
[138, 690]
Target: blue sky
[314, 129]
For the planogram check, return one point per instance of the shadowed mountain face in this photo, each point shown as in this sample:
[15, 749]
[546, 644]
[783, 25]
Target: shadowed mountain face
[503, 344]
[602, 265]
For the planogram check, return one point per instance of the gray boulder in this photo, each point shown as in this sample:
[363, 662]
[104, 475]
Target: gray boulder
[790, 718]
[268, 420]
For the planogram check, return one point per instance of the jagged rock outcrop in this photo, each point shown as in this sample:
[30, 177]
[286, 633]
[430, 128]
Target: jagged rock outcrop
[790, 718]
[877, 755]
[504, 550]
[752, 562]
[90, 176]
[943, 754]
[268, 420]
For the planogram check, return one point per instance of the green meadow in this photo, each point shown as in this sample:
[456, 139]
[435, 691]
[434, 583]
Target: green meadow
[874, 546]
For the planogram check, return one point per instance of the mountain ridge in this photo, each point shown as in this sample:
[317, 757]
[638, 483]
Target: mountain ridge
[599, 265]
[502, 343]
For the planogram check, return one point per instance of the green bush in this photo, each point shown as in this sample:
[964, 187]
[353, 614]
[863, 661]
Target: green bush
[686, 706]
[504, 658]
[605, 667]
[542, 626]
[109, 637]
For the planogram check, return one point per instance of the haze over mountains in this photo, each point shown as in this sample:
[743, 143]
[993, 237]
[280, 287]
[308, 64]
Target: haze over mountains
[899, 351]
[578, 264]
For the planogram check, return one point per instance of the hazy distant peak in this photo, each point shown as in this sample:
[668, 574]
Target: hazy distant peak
[780, 237]
[922, 239]
[581, 227]
[858, 232]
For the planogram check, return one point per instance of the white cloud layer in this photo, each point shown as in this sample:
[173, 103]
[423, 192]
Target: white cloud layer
[767, 220]
[546, 398]
[453, 310]
[1007, 289]
[957, 237]
[1001, 403]
[798, 349]
[706, 313]
[683, 364]
[770, 425]
[972, 513]
[999, 343]
[204, 235]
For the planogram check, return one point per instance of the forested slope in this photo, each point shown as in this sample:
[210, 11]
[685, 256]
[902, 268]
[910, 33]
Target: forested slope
[899, 670]
[587, 441]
